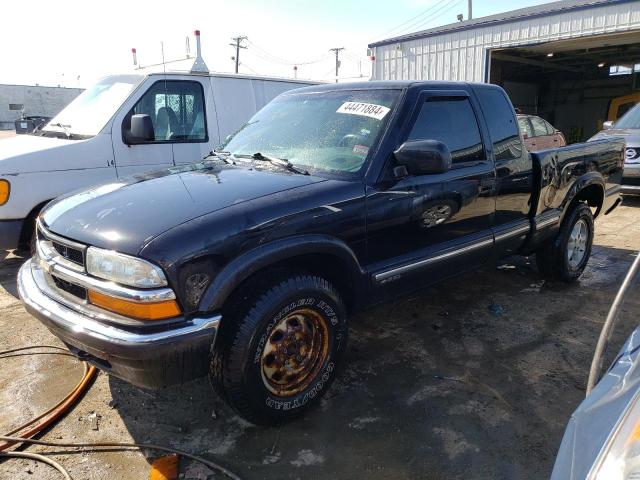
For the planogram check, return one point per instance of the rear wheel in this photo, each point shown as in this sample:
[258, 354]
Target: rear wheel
[566, 256]
[279, 347]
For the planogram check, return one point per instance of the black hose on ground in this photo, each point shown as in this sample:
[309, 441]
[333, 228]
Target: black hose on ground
[148, 446]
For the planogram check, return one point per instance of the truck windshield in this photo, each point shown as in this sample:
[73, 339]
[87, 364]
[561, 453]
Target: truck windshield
[631, 119]
[331, 131]
[89, 112]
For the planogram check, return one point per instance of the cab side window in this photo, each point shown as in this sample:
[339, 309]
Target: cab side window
[452, 122]
[501, 121]
[176, 109]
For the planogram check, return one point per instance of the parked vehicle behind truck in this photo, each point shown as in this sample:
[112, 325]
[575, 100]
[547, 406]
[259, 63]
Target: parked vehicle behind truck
[90, 141]
[329, 199]
[627, 128]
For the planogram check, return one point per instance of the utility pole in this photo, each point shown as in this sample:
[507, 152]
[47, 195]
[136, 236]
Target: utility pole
[470, 17]
[337, 52]
[237, 43]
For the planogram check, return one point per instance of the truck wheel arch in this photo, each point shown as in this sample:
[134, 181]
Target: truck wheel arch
[319, 254]
[589, 188]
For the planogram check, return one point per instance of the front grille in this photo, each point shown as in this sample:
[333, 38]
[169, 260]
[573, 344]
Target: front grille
[72, 254]
[72, 288]
[632, 154]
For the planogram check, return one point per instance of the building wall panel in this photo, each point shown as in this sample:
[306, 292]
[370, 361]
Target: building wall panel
[461, 55]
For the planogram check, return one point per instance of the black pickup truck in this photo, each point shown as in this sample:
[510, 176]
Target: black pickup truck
[247, 264]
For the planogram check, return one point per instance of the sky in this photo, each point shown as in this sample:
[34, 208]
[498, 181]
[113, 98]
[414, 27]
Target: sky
[73, 43]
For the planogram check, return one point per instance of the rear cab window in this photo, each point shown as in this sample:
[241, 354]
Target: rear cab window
[452, 121]
[501, 121]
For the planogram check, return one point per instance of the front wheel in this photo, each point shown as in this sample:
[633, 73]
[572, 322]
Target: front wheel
[279, 347]
[566, 256]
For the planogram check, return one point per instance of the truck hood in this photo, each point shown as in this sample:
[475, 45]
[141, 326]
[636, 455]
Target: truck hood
[32, 153]
[126, 215]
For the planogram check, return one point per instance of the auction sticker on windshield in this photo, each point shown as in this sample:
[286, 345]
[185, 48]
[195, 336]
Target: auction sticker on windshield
[364, 109]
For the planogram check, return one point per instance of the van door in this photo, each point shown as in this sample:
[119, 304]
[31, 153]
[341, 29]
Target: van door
[194, 132]
[130, 159]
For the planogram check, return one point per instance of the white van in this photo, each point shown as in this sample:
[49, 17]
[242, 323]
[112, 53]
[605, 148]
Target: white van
[179, 118]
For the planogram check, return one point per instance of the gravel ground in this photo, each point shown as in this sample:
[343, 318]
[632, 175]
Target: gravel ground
[473, 378]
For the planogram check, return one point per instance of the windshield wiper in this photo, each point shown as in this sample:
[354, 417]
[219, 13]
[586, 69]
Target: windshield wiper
[281, 162]
[63, 127]
[222, 155]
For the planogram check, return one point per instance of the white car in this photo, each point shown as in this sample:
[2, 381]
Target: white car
[184, 116]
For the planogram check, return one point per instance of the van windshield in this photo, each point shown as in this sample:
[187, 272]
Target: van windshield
[331, 131]
[631, 119]
[90, 111]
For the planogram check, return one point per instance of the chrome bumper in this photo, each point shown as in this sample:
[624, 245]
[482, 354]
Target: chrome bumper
[169, 354]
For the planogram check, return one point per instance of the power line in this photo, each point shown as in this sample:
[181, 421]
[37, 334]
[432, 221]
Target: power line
[277, 59]
[238, 45]
[439, 13]
[424, 12]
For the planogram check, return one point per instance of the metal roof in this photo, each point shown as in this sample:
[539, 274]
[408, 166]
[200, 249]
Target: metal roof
[506, 17]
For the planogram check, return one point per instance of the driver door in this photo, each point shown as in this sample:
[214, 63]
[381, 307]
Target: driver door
[422, 228]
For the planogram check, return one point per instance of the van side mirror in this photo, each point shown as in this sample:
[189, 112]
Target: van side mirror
[141, 129]
[423, 157]
[607, 125]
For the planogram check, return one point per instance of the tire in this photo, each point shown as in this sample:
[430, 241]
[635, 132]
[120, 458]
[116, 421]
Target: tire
[563, 258]
[300, 320]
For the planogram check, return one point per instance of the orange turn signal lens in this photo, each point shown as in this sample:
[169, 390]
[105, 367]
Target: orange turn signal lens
[141, 311]
[5, 190]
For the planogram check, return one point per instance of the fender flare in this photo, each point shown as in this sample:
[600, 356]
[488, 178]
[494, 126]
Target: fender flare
[586, 180]
[243, 266]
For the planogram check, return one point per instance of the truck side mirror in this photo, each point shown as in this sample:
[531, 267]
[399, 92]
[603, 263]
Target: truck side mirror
[141, 129]
[607, 125]
[423, 157]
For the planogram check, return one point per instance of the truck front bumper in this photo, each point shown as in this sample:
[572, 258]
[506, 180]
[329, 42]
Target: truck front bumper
[10, 231]
[631, 179]
[151, 359]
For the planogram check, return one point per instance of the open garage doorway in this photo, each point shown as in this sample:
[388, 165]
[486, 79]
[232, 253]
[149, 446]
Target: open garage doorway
[575, 84]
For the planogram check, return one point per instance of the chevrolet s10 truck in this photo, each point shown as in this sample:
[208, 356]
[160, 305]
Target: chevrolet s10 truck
[246, 265]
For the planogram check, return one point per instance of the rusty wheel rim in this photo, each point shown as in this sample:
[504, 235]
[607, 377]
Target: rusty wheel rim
[295, 351]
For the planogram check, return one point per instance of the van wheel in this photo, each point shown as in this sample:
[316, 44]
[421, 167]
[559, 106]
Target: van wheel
[566, 256]
[279, 347]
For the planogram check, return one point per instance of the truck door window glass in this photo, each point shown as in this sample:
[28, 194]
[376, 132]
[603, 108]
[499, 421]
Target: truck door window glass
[452, 122]
[331, 131]
[539, 127]
[176, 109]
[525, 126]
[90, 111]
[502, 124]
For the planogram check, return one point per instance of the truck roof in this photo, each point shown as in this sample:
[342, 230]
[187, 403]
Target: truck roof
[392, 84]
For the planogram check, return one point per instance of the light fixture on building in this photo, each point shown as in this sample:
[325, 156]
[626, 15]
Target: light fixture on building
[550, 54]
[600, 65]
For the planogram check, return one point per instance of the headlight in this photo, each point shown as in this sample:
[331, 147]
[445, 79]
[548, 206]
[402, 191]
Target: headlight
[621, 459]
[5, 190]
[124, 269]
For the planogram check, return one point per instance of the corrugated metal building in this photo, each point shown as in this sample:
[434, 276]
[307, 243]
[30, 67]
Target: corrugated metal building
[561, 60]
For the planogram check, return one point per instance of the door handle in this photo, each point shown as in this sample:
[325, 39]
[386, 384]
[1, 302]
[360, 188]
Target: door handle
[486, 185]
